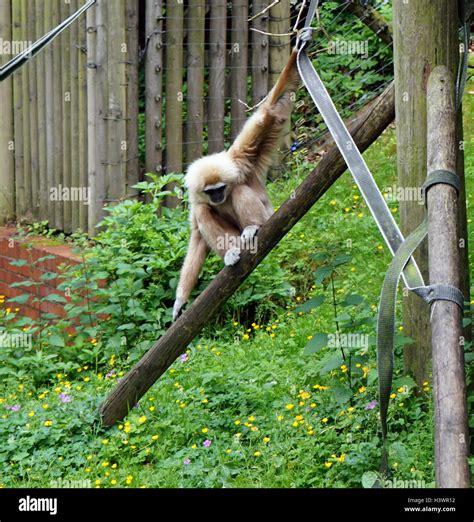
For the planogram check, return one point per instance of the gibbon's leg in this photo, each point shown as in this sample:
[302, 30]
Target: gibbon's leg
[221, 235]
[250, 210]
[195, 257]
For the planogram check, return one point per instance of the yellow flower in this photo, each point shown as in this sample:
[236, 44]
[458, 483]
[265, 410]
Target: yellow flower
[45, 406]
[362, 389]
[312, 405]
[236, 323]
[266, 439]
[205, 401]
[343, 368]
[393, 395]
[97, 482]
[304, 395]
[237, 422]
[155, 437]
[324, 420]
[151, 408]
[48, 423]
[204, 430]
[351, 408]
[299, 417]
[251, 418]
[295, 424]
[142, 419]
[105, 442]
[31, 414]
[328, 464]
[257, 454]
[105, 464]
[129, 479]
[113, 482]
[194, 446]
[280, 418]
[246, 337]
[289, 406]
[341, 458]
[254, 428]
[401, 389]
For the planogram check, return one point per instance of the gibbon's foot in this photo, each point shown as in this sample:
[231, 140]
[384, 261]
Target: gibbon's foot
[232, 256]
[177, 308]
[249, 232]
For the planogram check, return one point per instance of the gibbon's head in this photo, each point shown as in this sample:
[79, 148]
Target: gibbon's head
[210, 179]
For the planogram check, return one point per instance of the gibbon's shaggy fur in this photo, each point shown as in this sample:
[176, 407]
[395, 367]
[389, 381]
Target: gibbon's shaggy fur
[227, 194]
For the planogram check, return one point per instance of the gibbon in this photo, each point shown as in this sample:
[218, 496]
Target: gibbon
[227, 194]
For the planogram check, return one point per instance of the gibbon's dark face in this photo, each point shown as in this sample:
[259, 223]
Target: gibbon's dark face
[216, 193]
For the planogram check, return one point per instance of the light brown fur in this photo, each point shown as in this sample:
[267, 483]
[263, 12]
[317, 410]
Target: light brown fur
[243, 169]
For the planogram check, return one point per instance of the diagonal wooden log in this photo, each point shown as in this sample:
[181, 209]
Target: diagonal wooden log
[174, 342]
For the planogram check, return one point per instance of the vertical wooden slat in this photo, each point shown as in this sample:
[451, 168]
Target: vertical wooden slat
[33, 113]
[153, 87]
[217, 52]
[195, 80]
[7, 156]
[280, 49]
[83, 115]
[18, 104]
[41, 118]
[97, 110]
[259, 52]
[132, 164]
[65, 43]
[174, 86]
[115, 117]
[49, 117]
[58, 97]
[75, 116]
[27, 213]
[239, 66]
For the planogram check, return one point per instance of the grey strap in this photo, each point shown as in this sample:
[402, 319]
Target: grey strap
[440, 176]
[14, 64]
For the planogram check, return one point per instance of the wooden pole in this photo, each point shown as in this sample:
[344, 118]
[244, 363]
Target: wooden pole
[83, 122]
[184, 330]
[280, 49]
[18, 109]
[449, 385]
[371, 18]
[33, 117]
[217, 58]
[239, 59]
[58, 111]
[425, 35]
[174, 86]
[75, 118]
[68, 180]
[115, 110]
[131, 107]
[7, 153]
[195, 79]
[259, 52]
[49, 118]
[153, 87]
[97, 111]
[43, 193]
[25, 75]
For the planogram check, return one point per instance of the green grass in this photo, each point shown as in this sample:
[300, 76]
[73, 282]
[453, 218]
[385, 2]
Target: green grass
[249, 391]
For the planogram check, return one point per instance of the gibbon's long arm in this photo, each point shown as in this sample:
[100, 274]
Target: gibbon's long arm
[253, 148]
[195, 257]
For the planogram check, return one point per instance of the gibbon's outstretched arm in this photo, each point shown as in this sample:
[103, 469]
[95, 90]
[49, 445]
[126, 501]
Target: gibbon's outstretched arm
[253, 148]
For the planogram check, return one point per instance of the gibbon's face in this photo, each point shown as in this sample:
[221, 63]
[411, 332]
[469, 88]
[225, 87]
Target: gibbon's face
[216, 193]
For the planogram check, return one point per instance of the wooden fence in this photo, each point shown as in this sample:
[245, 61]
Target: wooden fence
[70, 138]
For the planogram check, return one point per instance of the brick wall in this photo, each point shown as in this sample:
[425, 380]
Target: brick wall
[11, 249]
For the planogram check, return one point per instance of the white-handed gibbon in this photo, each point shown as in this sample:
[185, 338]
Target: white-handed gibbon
[227, 194]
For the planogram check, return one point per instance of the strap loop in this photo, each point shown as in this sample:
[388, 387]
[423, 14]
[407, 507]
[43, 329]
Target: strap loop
[441, 292]
[440, 176]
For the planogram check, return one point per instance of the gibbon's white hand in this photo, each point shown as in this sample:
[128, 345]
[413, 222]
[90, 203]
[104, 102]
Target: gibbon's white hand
[232, 256]
[249, 232]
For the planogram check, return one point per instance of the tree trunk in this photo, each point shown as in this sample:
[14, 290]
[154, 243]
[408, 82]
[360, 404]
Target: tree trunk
[425, 35]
